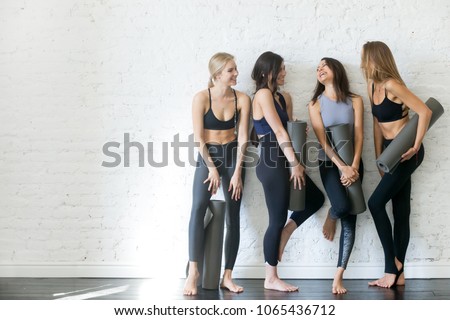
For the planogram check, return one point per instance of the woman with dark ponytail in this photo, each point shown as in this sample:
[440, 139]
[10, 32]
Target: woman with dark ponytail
[277, 166]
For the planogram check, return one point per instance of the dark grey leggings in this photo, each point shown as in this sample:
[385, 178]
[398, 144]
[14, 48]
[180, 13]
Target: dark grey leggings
[224, 157]
[395, 187]
[340, 207]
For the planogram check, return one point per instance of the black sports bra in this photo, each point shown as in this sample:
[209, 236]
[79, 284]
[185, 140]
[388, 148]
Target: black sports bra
[211, 122]
[387, 110]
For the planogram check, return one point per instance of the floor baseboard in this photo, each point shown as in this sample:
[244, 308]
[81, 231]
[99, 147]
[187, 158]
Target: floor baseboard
[412, 271]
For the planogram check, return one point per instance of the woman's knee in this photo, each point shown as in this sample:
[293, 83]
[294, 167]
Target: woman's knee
[276, 225]
[375, 204]
[341, 210]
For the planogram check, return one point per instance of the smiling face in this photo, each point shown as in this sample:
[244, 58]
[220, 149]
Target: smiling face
[281, 75]
[324, 73]
[228, 76]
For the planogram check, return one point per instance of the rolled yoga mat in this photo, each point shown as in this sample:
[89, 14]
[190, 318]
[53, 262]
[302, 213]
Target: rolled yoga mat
[342, 142]
[391, 156]
[212, 262]
[297, 133]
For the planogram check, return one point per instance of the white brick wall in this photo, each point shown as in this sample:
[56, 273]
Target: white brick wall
[77, 74]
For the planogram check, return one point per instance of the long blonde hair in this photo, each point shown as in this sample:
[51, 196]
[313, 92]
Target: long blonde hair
[217, 64]
[378, 63]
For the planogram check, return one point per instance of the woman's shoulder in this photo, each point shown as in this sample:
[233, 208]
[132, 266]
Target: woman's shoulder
[243, 100]
[314, 105]
[201, 100]
[201, 96]
[356, 101]
[392, 83]
[241, 95]
[263, 93]
[355, 97]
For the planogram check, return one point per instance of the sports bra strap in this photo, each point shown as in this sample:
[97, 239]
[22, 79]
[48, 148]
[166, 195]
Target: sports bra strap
[235, 111]
[373, 90]
[209, 94]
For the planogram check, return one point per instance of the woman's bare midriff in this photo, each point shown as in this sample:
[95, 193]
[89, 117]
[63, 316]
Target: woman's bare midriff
[219, 136]
[391, 129]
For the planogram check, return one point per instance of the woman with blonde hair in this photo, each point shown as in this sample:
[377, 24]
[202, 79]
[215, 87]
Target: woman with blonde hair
[391, 101]
[220, 117]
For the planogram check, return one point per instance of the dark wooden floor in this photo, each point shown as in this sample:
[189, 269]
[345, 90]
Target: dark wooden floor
[140, 289]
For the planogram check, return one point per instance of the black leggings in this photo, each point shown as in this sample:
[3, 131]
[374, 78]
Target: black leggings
[395, 187]
[273, 172]
[340, 207]
[224, 157]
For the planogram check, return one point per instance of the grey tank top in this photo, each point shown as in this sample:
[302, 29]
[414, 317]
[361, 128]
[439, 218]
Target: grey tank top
[335, 113]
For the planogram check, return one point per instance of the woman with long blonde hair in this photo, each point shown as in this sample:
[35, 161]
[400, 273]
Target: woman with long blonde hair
[220, 118]
[390, 101]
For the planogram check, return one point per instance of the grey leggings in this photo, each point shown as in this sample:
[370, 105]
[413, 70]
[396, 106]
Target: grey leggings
[224, 157]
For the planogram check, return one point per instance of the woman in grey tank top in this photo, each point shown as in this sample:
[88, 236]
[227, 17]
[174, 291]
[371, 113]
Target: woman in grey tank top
[333, 103]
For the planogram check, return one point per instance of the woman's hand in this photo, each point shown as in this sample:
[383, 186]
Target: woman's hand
[298, 175]
[214, 180]
[236, 186]
[348, 175]
[409, 154]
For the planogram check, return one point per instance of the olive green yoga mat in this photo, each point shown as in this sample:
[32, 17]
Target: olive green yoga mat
[342, 142]
[297, 133]
[391, 156]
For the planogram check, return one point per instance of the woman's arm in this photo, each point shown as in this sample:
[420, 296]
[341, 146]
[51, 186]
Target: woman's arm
[264, 99]
[289, 105]
[244, 119]
[358, 109]
[319, 129]
[198, 111]
[378, 137]
[420, 108]
[378, 140]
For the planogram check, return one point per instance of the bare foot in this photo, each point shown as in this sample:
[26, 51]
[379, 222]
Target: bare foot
[338, 286]
[279, 285]
[190, 286]
[329, 227]
[385, 282]
[288, 230]
[401, 277]
[401, 280]
[230, 285]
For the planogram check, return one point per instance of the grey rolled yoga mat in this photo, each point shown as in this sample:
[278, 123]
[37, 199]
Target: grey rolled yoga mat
[342, 142]
[391, 156]
[211, 261]
[297, 133]
[213, 245]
